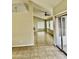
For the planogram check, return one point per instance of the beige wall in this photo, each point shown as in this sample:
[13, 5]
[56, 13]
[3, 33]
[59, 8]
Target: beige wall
[62, 6]
[22, 28]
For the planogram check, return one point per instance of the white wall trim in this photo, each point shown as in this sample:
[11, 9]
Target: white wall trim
[22, 45]
[61, 13]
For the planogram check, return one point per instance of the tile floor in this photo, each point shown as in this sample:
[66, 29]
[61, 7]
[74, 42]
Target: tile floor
[43, 49]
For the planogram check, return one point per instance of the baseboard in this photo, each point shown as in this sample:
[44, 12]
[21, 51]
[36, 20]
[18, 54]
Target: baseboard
[22, 45]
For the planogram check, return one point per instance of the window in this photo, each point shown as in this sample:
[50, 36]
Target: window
[48, 24]
[51, 24]
[41, 25]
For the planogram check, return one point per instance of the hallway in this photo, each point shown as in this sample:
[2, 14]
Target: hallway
[43, 39]
[43, 49]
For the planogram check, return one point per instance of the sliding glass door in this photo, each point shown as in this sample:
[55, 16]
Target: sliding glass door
[63, 20]
[61, 40]
[58, 33]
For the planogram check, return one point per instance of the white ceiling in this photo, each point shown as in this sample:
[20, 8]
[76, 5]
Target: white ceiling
[47, 3]
[44, 5]
[40, 6]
